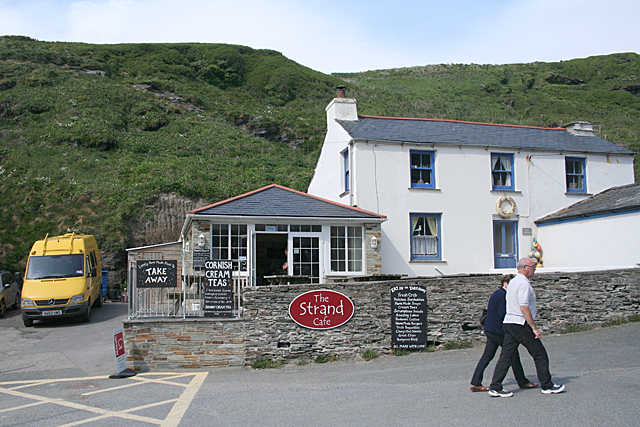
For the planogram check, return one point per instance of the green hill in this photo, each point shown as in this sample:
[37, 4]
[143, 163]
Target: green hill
[93, 137]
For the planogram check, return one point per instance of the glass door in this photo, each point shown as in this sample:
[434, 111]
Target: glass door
[505, 244]
[305, 256]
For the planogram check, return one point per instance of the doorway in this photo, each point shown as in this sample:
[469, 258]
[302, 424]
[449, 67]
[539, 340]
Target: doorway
[271, 256]
[505, 244]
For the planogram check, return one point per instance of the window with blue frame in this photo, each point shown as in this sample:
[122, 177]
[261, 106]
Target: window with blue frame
[345, 169]
[425, 237]
[502, 171]
[576, 178]
[422, 169]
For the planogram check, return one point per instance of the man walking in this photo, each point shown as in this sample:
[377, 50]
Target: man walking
[495, 336]
[520, 328]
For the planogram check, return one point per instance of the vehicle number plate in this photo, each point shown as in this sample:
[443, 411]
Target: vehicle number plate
[52, 313]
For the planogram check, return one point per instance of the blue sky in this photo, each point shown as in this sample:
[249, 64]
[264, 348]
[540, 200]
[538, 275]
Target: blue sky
[347, 36]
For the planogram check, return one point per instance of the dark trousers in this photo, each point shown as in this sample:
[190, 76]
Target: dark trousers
[514, 336]
[493, 342]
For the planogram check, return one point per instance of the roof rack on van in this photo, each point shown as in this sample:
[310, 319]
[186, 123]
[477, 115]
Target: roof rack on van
[70, 236]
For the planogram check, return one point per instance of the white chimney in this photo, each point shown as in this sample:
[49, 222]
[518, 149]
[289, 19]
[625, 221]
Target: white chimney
[341, 108]
[580, 128]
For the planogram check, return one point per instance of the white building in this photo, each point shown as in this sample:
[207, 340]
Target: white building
[461, 197]
[599, 232]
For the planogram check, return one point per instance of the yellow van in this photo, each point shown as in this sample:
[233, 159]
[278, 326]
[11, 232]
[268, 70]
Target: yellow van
[62, 278]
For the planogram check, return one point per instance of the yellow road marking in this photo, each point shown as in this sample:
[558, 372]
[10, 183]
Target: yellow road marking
[178, 409]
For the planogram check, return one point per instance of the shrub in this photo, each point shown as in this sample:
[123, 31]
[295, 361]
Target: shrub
[267, 363]
[457, 344]
[369, 354]
[615, 321]
[575, 327]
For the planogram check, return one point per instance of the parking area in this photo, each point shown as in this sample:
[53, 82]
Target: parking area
[151, 399]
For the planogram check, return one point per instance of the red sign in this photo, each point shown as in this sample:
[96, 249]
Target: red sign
[321, 309]
[118, 343]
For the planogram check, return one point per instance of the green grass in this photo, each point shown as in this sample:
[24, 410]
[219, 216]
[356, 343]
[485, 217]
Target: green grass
[458, 344]
[575, 327]
[615, 322]
[267, 363]
[369, 355]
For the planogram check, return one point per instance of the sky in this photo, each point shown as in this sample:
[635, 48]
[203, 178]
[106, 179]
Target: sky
[348, 35]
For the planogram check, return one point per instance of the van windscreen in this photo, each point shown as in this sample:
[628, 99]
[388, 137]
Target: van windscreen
[55, 266]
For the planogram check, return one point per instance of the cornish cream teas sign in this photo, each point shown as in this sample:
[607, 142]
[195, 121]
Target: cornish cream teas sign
[321, 309]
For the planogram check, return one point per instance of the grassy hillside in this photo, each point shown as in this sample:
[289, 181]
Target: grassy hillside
[90, 134]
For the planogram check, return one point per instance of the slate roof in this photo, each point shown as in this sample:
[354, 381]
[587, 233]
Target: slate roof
[614, 200]
[451, 132]
[277, 201]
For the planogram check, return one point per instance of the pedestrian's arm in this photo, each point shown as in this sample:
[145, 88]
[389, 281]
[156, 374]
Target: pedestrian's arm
[529, 318]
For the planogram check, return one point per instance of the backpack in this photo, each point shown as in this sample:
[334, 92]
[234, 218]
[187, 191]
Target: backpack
[483, 317]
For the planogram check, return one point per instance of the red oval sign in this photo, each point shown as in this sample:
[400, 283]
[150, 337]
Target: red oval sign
[321, 309]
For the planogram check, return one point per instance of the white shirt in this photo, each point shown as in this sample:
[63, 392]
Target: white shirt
[519, 292]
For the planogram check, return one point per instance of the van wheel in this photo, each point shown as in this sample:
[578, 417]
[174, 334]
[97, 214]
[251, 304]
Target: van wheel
[87, 315]
[27, 322]
[3, 308]
[98, 302]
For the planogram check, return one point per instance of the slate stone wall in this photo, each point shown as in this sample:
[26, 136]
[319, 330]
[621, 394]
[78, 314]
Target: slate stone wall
[454, 307]
[154, 344]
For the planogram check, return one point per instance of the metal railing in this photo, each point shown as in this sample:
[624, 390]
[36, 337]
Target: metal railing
[179, 302]
[182, 301]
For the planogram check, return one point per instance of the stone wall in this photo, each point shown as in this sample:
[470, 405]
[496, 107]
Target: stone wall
[454, 307]
[183, 343]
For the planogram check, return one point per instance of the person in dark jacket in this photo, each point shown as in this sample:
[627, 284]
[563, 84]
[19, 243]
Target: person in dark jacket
[495, 336]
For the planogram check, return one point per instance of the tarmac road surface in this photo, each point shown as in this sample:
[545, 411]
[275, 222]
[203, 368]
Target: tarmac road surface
[57, 375]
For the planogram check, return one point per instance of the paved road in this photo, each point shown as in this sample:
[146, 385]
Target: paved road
[54, 380]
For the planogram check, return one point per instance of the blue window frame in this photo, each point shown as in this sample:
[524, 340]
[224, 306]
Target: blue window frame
[502, 171]
[422, 169]
[425, 237]
[345, 168]
[576, 177]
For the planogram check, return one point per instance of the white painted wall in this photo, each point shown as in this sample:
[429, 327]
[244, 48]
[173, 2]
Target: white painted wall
[328, 176]
[380, 182]
[593, 244]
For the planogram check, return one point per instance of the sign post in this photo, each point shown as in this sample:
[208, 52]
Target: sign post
[408, 317]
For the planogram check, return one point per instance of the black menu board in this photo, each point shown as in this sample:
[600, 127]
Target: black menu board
[156, 273]
[200, 256]
[218, 288]
[408, 317]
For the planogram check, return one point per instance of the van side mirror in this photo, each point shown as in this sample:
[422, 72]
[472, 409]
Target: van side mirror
[93, 272]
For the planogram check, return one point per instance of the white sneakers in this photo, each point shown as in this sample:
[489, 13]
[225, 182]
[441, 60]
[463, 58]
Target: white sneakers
[500, 393]
[556, 388]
